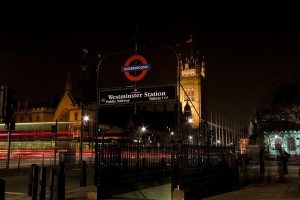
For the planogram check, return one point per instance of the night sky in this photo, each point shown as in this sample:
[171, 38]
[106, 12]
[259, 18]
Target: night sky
[243, 60]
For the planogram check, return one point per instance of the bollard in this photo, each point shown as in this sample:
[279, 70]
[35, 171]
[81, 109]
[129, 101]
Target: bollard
[42, 190]
[54, 194]
[51, 184]
[61, 167]
[61, 185]
[52, 172]
[29, 191]
[35, 182]
[83, 174]
[2, 189]
[58, 186]
[98, 191]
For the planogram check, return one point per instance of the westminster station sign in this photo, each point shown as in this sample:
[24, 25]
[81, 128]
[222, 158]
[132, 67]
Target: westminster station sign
[113, 97]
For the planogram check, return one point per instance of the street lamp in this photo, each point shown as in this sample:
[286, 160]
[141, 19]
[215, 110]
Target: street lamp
[86, 118]
[83, 69]
[86, 126]
[97, 120]
[191, 139]
[143, 129]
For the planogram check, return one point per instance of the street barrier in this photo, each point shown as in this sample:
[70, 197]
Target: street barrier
[83, 174]
[2, 189]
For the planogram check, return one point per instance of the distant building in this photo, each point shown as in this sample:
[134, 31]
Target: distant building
[273, 131]
[34, 113]
[69, 109]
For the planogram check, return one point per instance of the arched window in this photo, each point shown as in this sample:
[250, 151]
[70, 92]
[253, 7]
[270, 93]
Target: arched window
[64, 116]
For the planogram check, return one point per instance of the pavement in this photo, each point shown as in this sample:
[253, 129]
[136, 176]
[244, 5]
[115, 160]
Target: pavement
[80, 193]
[262, 187]
[266, 186]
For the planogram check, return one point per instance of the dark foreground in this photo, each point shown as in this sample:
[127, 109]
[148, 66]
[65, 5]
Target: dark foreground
[252, 185]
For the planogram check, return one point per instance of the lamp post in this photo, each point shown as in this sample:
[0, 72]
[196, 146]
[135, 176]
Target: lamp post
[97, 122]
[101, 58]
[83, 69]
[179, 135]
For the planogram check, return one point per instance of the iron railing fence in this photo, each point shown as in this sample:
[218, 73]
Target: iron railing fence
[127, 166]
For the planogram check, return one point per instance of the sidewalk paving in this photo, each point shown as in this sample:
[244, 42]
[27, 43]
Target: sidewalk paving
[266, 190]
[263, 187]
[266, 186]
[80, 193]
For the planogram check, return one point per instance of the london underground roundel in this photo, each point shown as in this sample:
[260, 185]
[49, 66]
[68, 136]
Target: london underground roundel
[144, 67]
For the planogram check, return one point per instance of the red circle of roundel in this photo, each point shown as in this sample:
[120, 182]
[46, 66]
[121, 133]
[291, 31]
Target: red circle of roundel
[142, 74]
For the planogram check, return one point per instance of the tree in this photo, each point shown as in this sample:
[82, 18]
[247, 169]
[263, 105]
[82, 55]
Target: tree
[284, 99]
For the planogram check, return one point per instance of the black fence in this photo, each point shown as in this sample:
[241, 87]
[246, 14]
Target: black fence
[127, 167]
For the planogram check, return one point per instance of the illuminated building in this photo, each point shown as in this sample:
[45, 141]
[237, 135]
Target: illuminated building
[192, 90]
[68, 110]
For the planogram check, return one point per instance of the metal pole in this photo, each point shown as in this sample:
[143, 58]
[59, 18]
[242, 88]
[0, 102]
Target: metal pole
[200, 102]
[82, 128]
[97, 118]
[55, 142]
[97, 123]
[9, 144]
[83, 68]
[178, 92]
